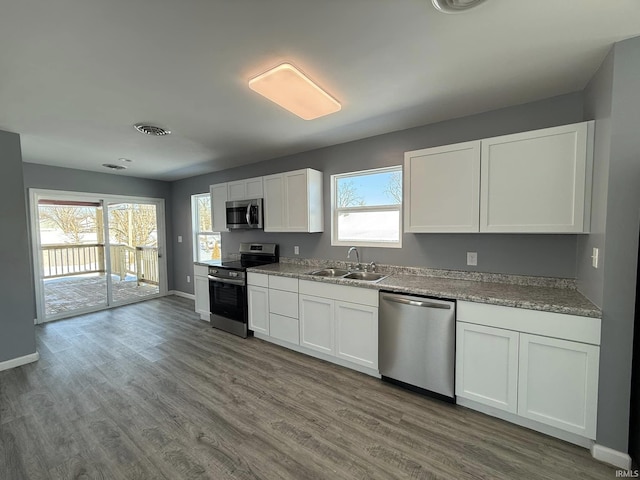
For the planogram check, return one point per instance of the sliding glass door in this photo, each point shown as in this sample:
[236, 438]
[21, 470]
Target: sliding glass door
[93, 252]
[133, 247]
[73, 270]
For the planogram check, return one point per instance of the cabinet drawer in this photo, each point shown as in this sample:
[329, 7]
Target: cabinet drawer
[548, 324]
[284, 328]
[258, 279]
[283, 283]
[283, 303]
[200, 271]
[363, 296]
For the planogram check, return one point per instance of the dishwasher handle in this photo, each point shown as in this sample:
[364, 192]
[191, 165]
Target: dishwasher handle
[414, 303]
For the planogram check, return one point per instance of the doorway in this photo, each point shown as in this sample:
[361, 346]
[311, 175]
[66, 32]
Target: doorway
[93, 252]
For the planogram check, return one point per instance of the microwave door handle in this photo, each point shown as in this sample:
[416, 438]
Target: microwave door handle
[248, 216]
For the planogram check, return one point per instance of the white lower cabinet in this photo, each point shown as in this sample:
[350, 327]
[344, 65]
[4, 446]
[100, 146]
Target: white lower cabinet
[558, 383]
[258, 304]
[524, 371]
[334, 322]
[284, 328]
[487, 365]
[317, 324]
[201, 291]
[357, 333]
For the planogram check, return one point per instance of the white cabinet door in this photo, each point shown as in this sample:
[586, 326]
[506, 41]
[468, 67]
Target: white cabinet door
[442, 189]
[254, 188]
[258, 303]
[535, 181]
[317, 324]
[245, 189]
[357, 333]
[237, 190]
[487, 365]
[558, 383]
[218, 207]
[201, 287]
[274, 202]
[296, 205]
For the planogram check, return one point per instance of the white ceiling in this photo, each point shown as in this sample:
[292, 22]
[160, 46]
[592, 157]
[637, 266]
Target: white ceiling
[77, 74]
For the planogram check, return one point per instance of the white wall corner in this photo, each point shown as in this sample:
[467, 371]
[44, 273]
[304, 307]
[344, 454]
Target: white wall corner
[610, 456]
[17, 362]
[178, 293]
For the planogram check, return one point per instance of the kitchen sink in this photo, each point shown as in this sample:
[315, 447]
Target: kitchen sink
[329, 272]
[365, 276]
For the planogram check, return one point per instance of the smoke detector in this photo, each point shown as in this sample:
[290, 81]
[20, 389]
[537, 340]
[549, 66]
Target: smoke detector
[152, 130]
[455, 6]
[113, 166]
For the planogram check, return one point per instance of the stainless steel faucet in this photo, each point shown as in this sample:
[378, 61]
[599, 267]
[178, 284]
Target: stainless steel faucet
[354, 249]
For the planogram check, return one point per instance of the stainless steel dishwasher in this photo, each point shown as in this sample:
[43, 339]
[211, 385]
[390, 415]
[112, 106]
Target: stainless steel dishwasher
[417, 343]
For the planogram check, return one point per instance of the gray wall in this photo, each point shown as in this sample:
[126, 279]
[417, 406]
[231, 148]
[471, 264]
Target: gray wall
[17, 334]
[543, 255]
[621, 247]
[68, 179]
[597, 106]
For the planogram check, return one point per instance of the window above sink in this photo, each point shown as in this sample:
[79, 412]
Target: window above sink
[366, 208]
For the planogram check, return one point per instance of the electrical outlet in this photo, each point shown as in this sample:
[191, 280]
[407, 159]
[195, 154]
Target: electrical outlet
[472, 258]
[296, 250]
[179, 238]
[188, 278]
[594, 257]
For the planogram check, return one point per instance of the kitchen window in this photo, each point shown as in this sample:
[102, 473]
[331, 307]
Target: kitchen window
[206, 243]
[366, 208]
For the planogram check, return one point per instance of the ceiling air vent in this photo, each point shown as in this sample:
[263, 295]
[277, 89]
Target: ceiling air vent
[455, 6]
[151, 130]
[112, 166]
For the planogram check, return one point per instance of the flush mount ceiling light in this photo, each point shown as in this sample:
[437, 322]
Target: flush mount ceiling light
[112, 166]
[293, 90]
[455, 6]
[151, 130]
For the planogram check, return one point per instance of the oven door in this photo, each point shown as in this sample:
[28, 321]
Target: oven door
[228, 302]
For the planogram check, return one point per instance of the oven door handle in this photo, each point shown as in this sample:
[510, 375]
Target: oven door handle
[230, 281]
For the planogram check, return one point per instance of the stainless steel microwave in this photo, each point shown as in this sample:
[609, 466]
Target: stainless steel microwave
[244, 214]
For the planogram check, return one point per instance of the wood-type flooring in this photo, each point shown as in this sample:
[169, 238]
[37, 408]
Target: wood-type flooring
[149, 391]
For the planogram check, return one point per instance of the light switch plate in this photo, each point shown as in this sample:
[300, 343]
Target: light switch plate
[296, 250]
[594, 257]
[179, 238]
[188, 278]
[472, 258]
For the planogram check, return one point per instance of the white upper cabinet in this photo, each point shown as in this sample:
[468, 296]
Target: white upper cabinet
[531, 182]
[442, 189]
[293, 202]
[218, 207]
[537, 182]
[245, 189]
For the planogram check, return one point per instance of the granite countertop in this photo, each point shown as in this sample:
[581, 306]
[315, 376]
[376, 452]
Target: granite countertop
[533, 297]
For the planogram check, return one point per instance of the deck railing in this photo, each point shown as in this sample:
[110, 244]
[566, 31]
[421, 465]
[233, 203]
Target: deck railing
[65, 260]
[77, 259]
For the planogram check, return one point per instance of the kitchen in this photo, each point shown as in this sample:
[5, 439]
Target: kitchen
[556, 255]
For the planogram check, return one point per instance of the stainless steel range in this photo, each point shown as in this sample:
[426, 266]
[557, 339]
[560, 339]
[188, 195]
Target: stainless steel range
[228, 286]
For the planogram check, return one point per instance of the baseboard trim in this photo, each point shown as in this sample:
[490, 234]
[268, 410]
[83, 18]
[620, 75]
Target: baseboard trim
[178, 293]
[19, 361]
[611, 456]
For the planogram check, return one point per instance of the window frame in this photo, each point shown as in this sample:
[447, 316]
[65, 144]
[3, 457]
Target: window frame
[335, 211]
[195, 226]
